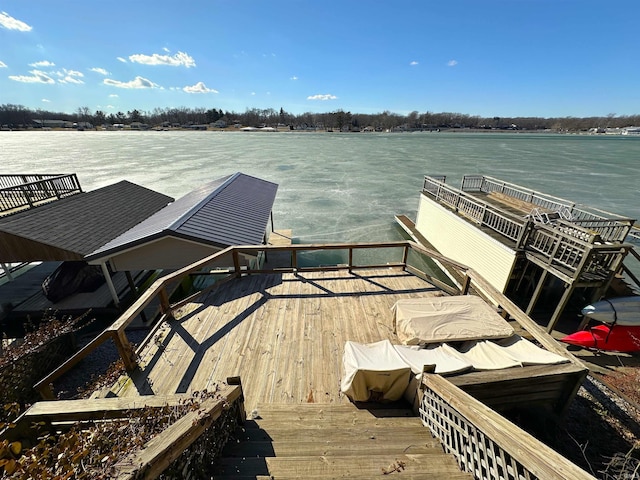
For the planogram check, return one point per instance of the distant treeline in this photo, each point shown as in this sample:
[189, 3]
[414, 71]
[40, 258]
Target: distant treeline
[18, 116]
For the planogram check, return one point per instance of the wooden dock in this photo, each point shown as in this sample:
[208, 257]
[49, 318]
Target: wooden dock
[280, 331]
[282, 334]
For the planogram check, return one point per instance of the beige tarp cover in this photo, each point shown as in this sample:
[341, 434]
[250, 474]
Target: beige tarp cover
[432, 355]
[373, 371]
[512, 352]
[419, 321]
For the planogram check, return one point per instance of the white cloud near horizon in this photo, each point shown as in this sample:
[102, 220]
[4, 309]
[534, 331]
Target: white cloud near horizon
[138, 82]
[199, 87]
[178, 60]
[37, 76]
[2, 64]
[414, 63]
[99, 70]
[452, 63]
[10, 23]
[294, 78]
[114, 95]
[120, 59]
[327, 96]
[42, 63]
[46, 100]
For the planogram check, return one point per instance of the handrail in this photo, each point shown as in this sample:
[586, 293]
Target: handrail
[489, 184]
[20, 191]
[485, 443]
[158, 289]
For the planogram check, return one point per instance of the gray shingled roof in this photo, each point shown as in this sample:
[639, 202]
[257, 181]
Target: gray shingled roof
[233, 210]
[83, 222]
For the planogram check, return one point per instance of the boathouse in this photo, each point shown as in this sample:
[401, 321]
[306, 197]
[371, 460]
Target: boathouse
[232, 210]
[126, 228]
[544, 252]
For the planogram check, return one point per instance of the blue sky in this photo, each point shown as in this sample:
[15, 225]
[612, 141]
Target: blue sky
[545, 58]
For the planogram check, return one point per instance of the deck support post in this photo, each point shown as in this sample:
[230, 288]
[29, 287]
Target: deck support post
[536, 293]
[112, 288]
[560, 308]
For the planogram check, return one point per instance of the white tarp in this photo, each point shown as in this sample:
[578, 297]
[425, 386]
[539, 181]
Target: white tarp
[420, 321]
[527, 353]
[511, 352]
[432, 355]
[373, 371]
[483, 355]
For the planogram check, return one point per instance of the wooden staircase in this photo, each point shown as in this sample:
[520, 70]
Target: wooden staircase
[317, 441]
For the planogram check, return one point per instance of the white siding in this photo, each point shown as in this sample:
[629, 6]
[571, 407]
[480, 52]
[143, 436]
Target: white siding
[460, 240]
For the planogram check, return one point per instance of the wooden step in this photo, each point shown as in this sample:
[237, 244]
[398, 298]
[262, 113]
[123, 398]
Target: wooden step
[315, 441]
[332, 447]
[365, 466]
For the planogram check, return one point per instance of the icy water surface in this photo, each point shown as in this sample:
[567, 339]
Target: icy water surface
[338, 187]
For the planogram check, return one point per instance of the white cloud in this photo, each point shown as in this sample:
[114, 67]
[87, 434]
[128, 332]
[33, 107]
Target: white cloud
[138, 82]
[166, 50]
[199, 87]
[452, 63]
[11, 23]
[71, 79]
[414, 63]
[294, 78]
[46, 100]
[177, 60]
[43, 63]
[120, 59]
[2, 64]
[327, 96]
[37, 76]
[111, 107]
[114, 95]
[99, 70]
[253, 94]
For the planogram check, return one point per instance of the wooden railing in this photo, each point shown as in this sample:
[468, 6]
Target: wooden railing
[462, 423]
[18, 192]
[564, 244]
[485, 443]
[232, 256]
[482, 213]
[609, 226]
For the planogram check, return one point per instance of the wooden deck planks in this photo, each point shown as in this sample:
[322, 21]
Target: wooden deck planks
[283, 334]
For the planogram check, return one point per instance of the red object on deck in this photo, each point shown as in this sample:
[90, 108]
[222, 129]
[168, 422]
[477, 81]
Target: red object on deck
[617, 338]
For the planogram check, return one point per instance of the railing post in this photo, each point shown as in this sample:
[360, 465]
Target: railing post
[236, 263]
[350, 258]
[294, 259]
[405, 256]
[125, 350]
[165, 306]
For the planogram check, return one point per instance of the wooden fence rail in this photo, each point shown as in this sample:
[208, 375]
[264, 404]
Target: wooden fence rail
[485, 443]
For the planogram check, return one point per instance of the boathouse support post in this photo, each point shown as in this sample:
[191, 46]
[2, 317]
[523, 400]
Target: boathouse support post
[560, 307]
[615, 268]
[537, 292]
[7, 272]
[112, 288]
